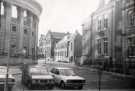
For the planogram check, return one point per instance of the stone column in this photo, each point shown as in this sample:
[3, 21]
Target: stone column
[7, 16]
[36, 21]
[20, 19]
[30, 19]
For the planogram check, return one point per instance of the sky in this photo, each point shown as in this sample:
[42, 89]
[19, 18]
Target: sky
[65, 15]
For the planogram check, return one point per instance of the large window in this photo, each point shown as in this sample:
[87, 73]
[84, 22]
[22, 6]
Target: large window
[106, 23]
[14, 11]
[105, 46]
[131, 46]
[131, 18]
[25, 31]
[14, 28]
[99, 25]
[1, 8]
[99, 46]
[102, 46]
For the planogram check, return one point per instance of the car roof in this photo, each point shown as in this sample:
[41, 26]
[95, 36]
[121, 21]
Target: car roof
[62, 68]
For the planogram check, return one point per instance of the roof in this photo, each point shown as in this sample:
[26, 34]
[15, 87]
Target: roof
[57, 35]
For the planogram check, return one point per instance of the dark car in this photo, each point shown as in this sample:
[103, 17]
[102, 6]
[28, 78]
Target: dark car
[10, 81]
[37, 76]
[65, 77]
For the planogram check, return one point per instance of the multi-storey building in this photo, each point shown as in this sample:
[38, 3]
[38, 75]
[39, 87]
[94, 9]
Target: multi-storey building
[105, 33]
[51, 38]
[75, 48]
[128, 33]
[69, 48]
[19, 27]
[86, 41]
[61, 50]
[109, 35]
[41, 48]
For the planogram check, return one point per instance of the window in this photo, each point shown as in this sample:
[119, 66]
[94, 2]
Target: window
[32, 33]
[131, 18]
[99, 46]
[99, 25]
[105, 46]
[71, 46]
[14, 12]
[1, 9]
[106, 23]
[25, 13]
[131, 46]
[25, 31]
[14, 28]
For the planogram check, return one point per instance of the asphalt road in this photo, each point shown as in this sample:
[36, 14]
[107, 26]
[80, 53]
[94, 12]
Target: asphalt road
[108, 82]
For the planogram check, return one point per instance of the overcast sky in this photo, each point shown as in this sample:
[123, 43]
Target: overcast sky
[64, 15]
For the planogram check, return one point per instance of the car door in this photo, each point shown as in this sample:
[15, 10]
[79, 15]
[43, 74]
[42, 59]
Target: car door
[57, 76]
[53, 73]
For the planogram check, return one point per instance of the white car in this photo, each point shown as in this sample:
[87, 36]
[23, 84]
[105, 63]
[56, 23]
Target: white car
[65, 77]
[10, 81]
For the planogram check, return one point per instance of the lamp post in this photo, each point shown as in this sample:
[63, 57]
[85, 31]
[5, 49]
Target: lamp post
[23, 54]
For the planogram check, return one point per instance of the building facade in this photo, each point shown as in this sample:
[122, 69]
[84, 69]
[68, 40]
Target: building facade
[87, 41]
[61, 50]
[128, 33]
[51, 38]
[109, 35]
[105, 33]
[69, 49]
[41, 47]
[19, 27]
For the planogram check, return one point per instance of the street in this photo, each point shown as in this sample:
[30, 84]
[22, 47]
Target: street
[107, 81]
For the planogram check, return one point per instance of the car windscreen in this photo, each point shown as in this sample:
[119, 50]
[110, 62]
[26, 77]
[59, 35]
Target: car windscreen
[3, 70]
[39, 71]
[67, 72]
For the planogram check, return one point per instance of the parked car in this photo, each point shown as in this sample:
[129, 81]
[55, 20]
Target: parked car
[37, 76]
[10, 81]
[65, 77]
[63, 61]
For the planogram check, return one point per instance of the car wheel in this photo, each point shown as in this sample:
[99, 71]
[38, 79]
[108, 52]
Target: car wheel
[62, 84]
[80, 87]
[29, 85]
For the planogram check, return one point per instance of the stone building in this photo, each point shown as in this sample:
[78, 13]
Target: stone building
[41, 47]
[108, 36]
[75, 48]
[128, 33]
[106, 28]
[51, 38]
[69, 49]
[87, 41]
[19, 27]
[61, 50]
[105, 32]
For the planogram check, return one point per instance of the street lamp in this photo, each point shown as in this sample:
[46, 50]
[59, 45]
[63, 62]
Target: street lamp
[23, 54]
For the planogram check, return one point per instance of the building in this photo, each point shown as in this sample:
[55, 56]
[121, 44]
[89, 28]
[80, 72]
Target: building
[41, 48]
[61, 50]
[105, 34]
[87, 41]
[19, 27]
[69, 49]
[51, 38]
[128, 34]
